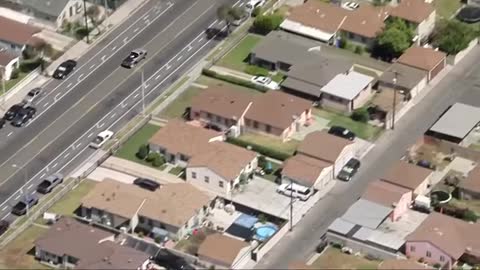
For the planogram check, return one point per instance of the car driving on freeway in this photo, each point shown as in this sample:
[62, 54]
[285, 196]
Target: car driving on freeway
[25, 204]
[32, 95]
[134, 58]
[13, 111]
[49, 183]
[23, 116]
[64, 69]
[101, 139]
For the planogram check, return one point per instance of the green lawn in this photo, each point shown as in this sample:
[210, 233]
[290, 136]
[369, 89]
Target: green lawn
[208, 81]
[70, 202]
[333, 258]
[278, 77]
[15, 254]
[446, 8]
[130, 148]
[271, 142]
[237, 57]
[11, 83]
[177, 108]
[275, 171]
[362, 130]
[176, 170]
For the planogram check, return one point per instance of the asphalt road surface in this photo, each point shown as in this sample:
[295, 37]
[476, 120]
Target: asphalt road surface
[462, 84]
[102, 95]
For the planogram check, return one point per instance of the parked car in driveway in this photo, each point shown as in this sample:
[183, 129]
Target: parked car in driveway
[146, 184]
[295, 190]
[32, 95]
[134, 58]
[349, 170]
[13, 111]
[342, 132]
[101, 139]
[49, 183]
[64, 69]
[266, 82]
[24, 116]
[24, 205]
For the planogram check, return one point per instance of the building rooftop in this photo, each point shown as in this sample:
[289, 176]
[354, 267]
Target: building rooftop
[472, 182]
[277, 109]
[421, 58]
[384, 193]
[51, 7]
[221, 248]
[407, 77]
[406, 175]
[367, 214]
[6, 57]
[347, 86]
[367, 20]
[16, 32]
[413, 10]
[304, 169]
[449, 123]
[323, 146]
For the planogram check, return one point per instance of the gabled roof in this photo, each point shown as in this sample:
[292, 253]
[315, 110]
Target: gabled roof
[277, 109]
[406, 175]
[316, 14]
[347, 86]
[304, 169]
[422, 58]
[323, 146]
[50, 7]
[221, 248]
[367, 20]
[6, 57]
[413, 10]
[407, 76]
[384, 193]
[472, 182]
[16, 32]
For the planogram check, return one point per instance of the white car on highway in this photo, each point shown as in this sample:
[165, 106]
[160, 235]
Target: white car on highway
[101, 139]
[266, 82]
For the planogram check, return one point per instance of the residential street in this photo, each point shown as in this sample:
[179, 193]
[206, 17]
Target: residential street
[461, 84]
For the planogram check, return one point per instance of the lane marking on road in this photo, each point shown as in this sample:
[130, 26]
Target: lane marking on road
[43, 175]
[33, 193]
[67, 155]
[180, 58]
[104, 57]
[124, 104]
[8, 214]
[168, 67]
[241, 4]
[158, 76]
[45, 105]
[100, 125]
[70, 84]
[92, 66]
[200, 40]
[189, 48]
[78, 145]
[29, 187]
[113, 115]
[4, 208]
[54, 165]
[56, 96]
[136, 96]
[125, 40]
[80, 77]
[145, 17]
[147, 22]
[114, 48]
[136, 29]
[90, 135]
[18, 197]
[10, 134]
[147, 85]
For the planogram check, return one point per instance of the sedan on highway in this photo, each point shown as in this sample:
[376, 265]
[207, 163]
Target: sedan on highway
[265, 82]
[23, 116]
[13, 111]
[101, 139]
[49, 183]
[24, 205]
[32, 95]
[64, 69]
[342, 132]
[4, 225]
[2, 122]
[134, 58]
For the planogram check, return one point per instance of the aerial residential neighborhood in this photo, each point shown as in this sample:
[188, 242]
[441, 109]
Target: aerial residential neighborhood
[239, 134]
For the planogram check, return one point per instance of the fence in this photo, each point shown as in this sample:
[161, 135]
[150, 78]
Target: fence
[21, 84]
[454, 59]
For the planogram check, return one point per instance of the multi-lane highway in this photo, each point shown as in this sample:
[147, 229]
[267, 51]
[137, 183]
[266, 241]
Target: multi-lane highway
[101, 95]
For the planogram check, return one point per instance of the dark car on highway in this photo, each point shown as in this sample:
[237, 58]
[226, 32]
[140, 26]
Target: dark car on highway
[23, 116]
[49, 183]
[342, 132]
[349, 170]
[134, 58]
[146, 184]
[64, 69]
[4, 225]
[24, 205]
[13, 111]
[2, 122]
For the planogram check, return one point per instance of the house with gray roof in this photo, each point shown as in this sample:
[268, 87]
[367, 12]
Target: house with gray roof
[347, 92]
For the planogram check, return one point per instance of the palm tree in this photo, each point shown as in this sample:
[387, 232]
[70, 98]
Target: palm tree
[228, 14]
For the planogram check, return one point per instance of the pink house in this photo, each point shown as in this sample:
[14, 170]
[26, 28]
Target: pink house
[389, 195]
[443, 240]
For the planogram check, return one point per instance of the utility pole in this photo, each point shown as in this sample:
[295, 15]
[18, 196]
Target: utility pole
[143, 93]
[394, 97]
[291, 205]
[86, 20]
[3, 87]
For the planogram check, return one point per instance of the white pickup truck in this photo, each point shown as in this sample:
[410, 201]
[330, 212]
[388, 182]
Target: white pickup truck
[101, 139]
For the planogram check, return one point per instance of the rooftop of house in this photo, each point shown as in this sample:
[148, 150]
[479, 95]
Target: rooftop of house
[406, 175]
[413, 10]
[366, 21]
[407, 77]
[93, 247]
[304, 169]
[384, 193]
[50, 7]
[422, 58]
[224, 159]
[401, 264]
[453, 236]
[449, 125]
[277, 109]
[16, 32]
[173, 203]
[222, 101]
[180, 137]
[6, 57]
[347, 86]
[472, 182]
[323, 146]
[221, 248]
[366, 213]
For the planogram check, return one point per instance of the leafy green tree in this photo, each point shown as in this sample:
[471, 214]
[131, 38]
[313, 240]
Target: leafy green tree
[228, 14]
[93, 13]
[158, 161]
[453, 36]
[264, 24]
[152, 156]
[394, 40]
[142, 151]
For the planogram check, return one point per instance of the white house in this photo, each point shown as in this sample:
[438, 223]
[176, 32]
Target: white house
[9, 61]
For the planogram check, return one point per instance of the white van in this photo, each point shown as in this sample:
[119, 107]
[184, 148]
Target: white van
[297, 191]
[252, 4]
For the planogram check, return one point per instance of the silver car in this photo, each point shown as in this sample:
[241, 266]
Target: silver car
[134, 58]
[32, 95]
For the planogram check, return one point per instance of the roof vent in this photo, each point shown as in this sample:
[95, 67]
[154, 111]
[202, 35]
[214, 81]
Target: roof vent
[468, 248]
[364, 22]
[322, 15]
[317, 11]
[232, 101]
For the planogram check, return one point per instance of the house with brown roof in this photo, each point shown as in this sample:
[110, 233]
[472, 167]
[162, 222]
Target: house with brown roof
[409, 176]
[72, 244]
[9, 61]
[443, 240]
[389, 195]
[15, 36]
[223, 251]
[429, 60]
[221, 168]
[469, 188]
[278, 114]
[221, 107]
[328, 148]
[306, 171]
[170, 211]
[179, 141]
[418, 14]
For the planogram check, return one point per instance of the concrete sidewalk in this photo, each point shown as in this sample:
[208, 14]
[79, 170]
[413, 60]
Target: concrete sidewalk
[231, 72]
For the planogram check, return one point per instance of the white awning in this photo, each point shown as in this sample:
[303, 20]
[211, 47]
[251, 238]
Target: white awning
[301, 29]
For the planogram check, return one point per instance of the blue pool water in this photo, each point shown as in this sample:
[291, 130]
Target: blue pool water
[264, 232]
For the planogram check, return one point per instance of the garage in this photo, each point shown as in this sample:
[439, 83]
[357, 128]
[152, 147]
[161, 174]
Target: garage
[429, 60]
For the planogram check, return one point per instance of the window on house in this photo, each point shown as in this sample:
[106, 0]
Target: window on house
[220, 184]
[268, 128]
[248, 122]
[207, 179]
[255, 124]
[141, 219]
[429, 254]
[412, 248]
[194, 175]
[219, 119]
[209, 115]
[442, 259]
[70, 11]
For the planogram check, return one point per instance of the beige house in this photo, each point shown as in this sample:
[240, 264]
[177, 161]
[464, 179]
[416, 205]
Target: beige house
[221, 167]
[170, 211]
[409, 176]
[306, 171]
[223, 251]
[9, 61]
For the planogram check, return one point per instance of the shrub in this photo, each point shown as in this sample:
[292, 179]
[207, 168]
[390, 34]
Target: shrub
[142, 151]
[158, 161]
[262, 161]
[257, 11]
[81, 32]
[152, 156]
[264, 24]
[15, 73]
[30, 64]
[360, 115]
[359, 49]
[262, 218]
[470, 215]
[337, 245]
[158, 239]
[273, 153]
[256, 70]
[234, 80]
[453, 36]
[437, 266]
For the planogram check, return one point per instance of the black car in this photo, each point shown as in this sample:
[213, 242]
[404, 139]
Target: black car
[349, 170]
[342, 132]
[2, 122]
[23, 116]
[134, 58]
[64, 69]
[4, 225]
[13, 111]
[24, 205]
[170, 261]
[146, 184]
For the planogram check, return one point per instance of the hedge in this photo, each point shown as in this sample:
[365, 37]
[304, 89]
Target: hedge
[234, 80]
[269, 152]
